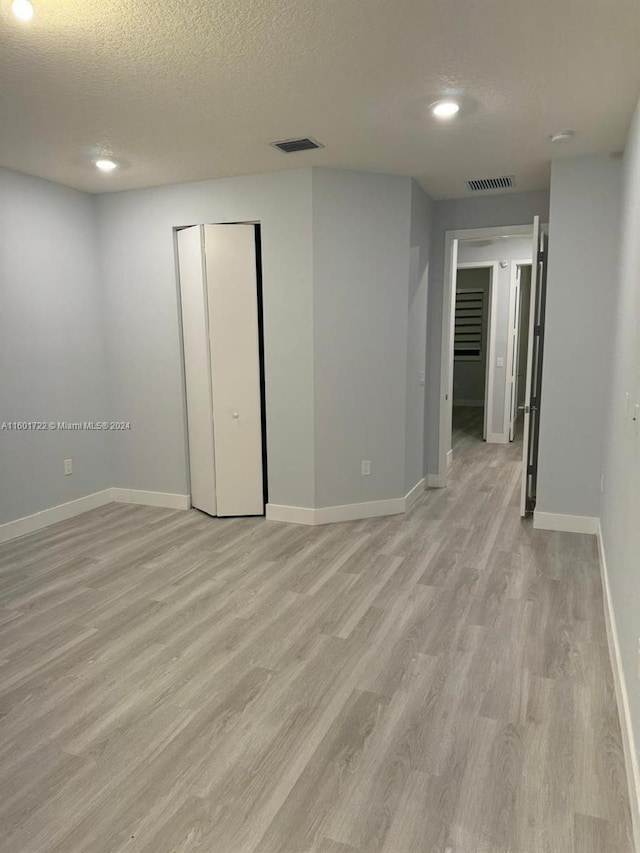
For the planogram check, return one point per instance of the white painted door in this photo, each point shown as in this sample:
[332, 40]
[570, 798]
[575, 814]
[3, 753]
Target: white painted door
[534, 370]
[514, 326]
[231, 276]
[195, 335]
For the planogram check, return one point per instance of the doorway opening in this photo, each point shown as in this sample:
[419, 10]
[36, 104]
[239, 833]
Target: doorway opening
[511, 379]
[473, 339]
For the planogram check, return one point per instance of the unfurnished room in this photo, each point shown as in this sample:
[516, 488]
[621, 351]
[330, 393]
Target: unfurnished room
[319, 426]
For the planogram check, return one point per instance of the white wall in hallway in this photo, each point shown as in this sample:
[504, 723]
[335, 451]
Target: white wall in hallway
[581, 285]
[420, 250]
[620, 505]
[52, 346]
[361, 236]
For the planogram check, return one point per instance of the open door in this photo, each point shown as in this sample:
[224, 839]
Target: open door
[534, 370]
[195, 328]
[230, 257]
[512, 359]
[220, 296]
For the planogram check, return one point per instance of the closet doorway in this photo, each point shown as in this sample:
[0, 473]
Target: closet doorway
[222, 334]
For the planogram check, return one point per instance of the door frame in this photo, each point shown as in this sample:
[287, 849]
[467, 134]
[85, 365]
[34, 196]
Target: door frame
[445, 396]
[513, 337]
[489, 356]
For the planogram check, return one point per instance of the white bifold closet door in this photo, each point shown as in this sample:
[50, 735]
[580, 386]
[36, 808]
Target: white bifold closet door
[219, 295]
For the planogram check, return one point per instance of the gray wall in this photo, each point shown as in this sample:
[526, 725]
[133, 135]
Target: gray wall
[509, 249]
[421, 219]
[581, 283]
[483, 212]
[469, 377]
[139, 279]
[52, 356]
[361, 234]
[620, 506]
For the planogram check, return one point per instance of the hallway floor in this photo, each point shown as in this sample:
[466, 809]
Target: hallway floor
[431, 683]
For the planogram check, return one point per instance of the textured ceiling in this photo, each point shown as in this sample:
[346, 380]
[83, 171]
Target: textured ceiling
[194, 89]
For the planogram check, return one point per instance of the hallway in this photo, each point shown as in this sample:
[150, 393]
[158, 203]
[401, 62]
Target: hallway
[431, 683]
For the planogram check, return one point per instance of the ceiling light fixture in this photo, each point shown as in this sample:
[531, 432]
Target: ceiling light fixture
[562, 136]
[445, 109]
[106, 165]
[22, 9]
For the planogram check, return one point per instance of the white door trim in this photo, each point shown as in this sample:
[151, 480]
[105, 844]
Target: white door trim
[451, 239]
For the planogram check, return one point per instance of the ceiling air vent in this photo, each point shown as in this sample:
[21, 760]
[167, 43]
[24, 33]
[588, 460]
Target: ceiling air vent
[288, 146]
[484, 184]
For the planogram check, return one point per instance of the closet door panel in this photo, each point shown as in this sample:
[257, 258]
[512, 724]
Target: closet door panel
[230, 253]
[195, 334]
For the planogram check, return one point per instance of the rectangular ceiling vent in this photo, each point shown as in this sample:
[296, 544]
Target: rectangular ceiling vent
[484, 184]
[288, 146]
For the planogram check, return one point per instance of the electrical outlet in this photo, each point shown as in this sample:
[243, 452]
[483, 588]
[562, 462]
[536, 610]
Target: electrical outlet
[500, 362]
[68, 467]
[365, 468]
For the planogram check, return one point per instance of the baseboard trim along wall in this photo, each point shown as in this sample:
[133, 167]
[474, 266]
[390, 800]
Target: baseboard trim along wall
[497, 438]
[344, 512]
[413, 494]
[565, 523]
[62, 512]
[624, 713]
[168, 500]
[46, 517]
[435, 481]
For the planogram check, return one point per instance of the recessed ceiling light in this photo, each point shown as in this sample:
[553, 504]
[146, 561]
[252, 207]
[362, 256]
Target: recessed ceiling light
[562, 136]
[106, 165]
[22, 9]
[445, 109]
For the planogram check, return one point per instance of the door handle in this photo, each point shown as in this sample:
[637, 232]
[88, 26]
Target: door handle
[235, 415]
[524, 409]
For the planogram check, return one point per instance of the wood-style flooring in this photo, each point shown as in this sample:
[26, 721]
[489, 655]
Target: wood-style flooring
[437, 682]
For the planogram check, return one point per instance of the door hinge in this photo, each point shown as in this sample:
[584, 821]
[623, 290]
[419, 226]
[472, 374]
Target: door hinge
[529, 469]
[537, 330]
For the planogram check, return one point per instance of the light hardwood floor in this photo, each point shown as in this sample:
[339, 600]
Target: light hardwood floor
[414, 684]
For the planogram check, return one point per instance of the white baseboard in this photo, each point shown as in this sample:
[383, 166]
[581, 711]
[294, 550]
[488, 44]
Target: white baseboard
[344, 512]
[61, 512]
[290, 514]
[476, 404]
[352, 512]
[164, 499]
[624, 713]
[497, 438]
[435, 481]
[413, 494]
[449, 457]
[565, 523]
